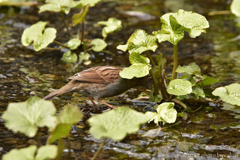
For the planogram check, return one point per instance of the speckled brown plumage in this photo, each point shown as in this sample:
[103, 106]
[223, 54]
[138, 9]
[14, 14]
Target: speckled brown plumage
[98, 82]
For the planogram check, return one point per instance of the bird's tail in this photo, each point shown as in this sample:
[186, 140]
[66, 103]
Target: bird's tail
[67, 88]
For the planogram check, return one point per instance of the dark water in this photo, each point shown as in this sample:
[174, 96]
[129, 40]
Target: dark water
[206, 132]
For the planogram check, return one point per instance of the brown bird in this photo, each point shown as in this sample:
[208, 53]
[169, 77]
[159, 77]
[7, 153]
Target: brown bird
[99, 82]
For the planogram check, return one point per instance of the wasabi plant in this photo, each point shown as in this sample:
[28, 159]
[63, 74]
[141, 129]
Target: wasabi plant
[190, 82]
[40, 36]
[26, 117]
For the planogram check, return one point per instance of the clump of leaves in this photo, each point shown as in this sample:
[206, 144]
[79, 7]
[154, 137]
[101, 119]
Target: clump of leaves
[41, 37]
[26, 117]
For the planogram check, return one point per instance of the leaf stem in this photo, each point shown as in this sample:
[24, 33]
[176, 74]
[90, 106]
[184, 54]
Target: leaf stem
[175, 62]
[151, 60]
[99, 149]
[82, 35]
[69, 147]
[179, 102]
[60, 44]
[66, 26]
[155, 93]
[152, 74]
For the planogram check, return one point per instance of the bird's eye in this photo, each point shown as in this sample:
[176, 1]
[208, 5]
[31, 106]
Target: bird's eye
[76, 74]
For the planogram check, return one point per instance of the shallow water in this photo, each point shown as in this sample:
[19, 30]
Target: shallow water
[206, 132]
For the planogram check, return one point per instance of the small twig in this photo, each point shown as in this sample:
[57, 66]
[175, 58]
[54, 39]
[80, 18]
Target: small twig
[197, 109]
[219, 13]
[66, 26]
[99, 149]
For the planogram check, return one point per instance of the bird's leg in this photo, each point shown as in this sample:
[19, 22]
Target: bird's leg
[92, 101]
[109, 105]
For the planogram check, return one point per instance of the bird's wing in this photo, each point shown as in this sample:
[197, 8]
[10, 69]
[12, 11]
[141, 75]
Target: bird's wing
[101, 75]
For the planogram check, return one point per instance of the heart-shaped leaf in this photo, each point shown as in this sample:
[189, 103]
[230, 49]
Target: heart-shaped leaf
[74, 43]
[69, 57]
[98, 44]
[84, 56]
[112, 25]
[27, 116]
[36, 35]
[139, 42]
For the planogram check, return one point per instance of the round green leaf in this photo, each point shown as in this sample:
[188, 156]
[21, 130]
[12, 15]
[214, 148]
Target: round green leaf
[69, 57]
[166, 112]
[86, 2]
[27, 116]
[112, 25]
[198, 92]
[139, 42]
[74, 43]
[98, 44]
[70, 115]
[21, 154]
[174, 25]
[57, 6]
[192, 69]
[229, 94]
[50, 7]
[47, 152]
[84, 56]
[36, 35]
[179, 87]
[135, 70]
[235, 7]
[140, 67]
[206, 81]
[117, 123]
[44, 152]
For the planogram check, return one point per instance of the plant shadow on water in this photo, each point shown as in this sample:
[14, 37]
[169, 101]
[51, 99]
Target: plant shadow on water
[202, 131]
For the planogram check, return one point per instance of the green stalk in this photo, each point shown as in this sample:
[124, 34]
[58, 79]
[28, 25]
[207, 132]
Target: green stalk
[153, 76]
[83, 24]
[99, 149]
[175, 61]
[150, 58]
[155, 83]
[66, 26]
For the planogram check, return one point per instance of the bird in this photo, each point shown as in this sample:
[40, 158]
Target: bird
[99, 82]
